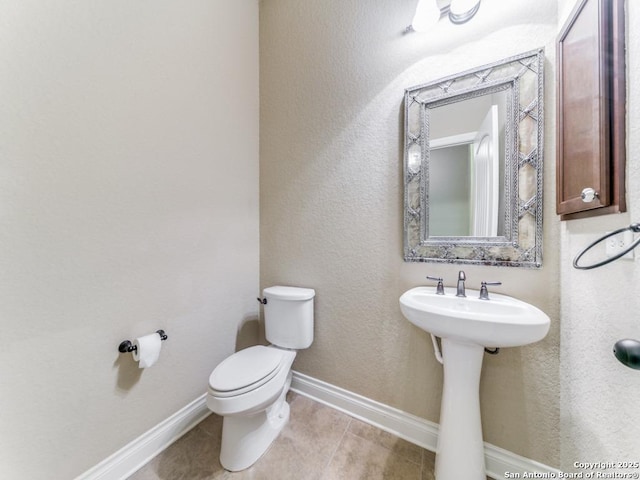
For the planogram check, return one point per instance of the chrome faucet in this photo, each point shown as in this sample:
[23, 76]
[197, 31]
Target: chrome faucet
[440, 287]
[460, 290]
[484, 292]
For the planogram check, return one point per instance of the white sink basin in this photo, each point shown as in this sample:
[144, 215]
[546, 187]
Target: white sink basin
[501, 321]
[466, 326]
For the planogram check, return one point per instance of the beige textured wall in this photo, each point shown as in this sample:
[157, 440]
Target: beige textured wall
[599, 407]
[128, 202]
[332, 78]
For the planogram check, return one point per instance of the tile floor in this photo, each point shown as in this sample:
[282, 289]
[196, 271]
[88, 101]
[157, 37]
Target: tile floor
[318, 443]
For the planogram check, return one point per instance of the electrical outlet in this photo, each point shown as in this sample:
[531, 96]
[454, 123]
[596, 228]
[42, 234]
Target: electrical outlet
[618, 243]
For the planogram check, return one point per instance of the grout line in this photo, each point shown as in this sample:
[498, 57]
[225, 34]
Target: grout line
[406, 458]
[333, 454]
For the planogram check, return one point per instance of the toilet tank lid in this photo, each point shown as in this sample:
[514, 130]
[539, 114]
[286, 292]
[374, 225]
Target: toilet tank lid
[289, 293]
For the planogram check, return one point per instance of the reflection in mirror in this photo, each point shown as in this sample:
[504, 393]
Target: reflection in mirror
[473, 166]
[466, 166]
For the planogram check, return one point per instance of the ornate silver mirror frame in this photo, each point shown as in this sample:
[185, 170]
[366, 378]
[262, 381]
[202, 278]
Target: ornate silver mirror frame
[519, 243]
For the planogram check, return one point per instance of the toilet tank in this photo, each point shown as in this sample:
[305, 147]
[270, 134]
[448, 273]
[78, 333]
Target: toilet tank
[288, 316]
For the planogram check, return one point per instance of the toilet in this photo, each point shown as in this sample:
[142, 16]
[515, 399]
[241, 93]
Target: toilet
[249, 388]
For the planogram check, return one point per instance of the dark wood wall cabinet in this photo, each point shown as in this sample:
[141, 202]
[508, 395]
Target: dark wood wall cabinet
[591, 111]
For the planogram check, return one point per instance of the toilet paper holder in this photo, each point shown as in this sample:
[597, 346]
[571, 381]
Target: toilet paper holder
[126, 345]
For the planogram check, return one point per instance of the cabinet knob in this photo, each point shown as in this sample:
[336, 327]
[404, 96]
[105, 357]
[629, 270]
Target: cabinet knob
[588, 195]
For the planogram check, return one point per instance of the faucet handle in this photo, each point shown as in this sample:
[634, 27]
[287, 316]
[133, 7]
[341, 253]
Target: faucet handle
[440, 286]
[484, 293]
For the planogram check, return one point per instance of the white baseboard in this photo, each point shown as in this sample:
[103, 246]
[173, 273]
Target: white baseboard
[408, 427]
[419, 431]
[140, 451]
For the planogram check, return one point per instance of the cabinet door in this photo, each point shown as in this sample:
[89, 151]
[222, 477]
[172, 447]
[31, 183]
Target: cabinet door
[590, 103]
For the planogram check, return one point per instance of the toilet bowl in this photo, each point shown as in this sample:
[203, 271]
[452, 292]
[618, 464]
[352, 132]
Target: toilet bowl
[249, 388]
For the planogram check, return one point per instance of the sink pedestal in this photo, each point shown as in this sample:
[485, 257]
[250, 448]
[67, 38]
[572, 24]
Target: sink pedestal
[460, 452]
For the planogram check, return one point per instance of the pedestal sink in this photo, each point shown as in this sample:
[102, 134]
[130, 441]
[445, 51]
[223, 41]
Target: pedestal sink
[466, 325]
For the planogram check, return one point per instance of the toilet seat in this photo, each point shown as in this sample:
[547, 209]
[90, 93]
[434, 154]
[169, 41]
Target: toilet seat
[245, 370]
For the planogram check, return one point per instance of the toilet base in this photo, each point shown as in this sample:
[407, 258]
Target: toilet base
[246, 438]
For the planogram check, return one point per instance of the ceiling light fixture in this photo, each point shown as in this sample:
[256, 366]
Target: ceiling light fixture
[427, 15]
[429, 12]
[461, 11]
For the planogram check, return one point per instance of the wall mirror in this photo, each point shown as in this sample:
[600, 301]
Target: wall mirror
[473, 158]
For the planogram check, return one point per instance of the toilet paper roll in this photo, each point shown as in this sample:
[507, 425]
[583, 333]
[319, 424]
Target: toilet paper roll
[148, 350]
